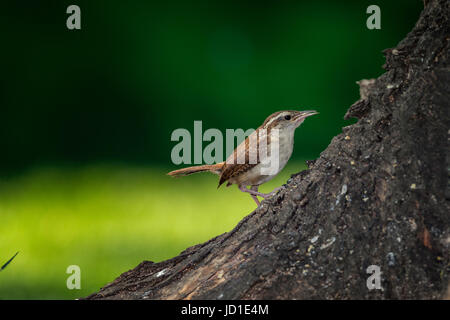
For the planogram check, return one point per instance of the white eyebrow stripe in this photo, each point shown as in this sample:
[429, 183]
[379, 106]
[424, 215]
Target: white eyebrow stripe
[276, 118]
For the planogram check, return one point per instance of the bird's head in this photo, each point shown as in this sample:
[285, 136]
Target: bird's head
[286, 120]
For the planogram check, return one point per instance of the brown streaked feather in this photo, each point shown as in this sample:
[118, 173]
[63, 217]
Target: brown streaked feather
[272, 116]
[230, 170]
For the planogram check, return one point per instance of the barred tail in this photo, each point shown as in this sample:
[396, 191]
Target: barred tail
[214, 168]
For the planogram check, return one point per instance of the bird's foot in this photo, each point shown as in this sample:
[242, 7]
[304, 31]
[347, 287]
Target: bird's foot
[255, 194]
[268, 195]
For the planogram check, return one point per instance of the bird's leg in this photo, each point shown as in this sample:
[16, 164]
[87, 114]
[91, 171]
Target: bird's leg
[254, 192]
[255, 188]
[273, 192]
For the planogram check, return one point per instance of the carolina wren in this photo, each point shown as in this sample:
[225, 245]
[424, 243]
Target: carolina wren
[260, 157]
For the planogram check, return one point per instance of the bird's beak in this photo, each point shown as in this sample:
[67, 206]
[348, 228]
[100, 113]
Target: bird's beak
[304, 114]
[308, 113]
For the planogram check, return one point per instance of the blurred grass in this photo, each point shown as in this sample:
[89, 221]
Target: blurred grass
[106, 219]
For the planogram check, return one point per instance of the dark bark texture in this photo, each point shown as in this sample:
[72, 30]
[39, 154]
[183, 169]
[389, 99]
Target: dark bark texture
[378, 195]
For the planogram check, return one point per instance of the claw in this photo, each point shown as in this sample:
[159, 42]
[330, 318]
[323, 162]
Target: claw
[267, 195]
[254, 193]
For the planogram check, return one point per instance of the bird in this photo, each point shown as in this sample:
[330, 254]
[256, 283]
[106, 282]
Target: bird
[260, 157]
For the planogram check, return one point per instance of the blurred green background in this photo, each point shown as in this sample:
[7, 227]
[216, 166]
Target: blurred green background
[86, 118]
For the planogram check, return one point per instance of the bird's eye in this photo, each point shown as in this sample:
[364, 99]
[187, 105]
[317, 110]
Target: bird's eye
[288, 117]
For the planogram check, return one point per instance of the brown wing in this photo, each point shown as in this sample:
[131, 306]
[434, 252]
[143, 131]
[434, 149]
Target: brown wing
[243, 158]
[232, 170]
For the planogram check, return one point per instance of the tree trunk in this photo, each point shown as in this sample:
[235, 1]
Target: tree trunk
[378, 195]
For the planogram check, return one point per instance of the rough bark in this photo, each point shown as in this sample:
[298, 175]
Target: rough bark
[378, 195]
